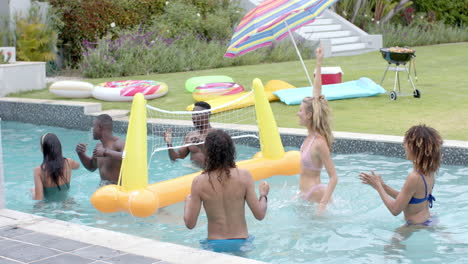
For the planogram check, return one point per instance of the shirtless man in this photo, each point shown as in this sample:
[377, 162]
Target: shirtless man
[223, 189]
[201, 122]
[107, 156]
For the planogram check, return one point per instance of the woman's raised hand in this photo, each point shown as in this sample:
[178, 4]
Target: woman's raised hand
[372, 179]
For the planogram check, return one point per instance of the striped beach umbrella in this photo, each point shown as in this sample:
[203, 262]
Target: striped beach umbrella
[273, 20]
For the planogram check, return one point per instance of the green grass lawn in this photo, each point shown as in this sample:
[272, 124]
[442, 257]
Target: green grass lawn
[442, 79]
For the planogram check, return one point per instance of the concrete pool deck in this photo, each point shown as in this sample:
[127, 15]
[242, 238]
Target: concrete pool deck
[26, 238]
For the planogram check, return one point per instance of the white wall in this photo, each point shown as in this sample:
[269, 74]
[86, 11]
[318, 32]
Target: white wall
[22, 76]
[19, 7]
[4, 8]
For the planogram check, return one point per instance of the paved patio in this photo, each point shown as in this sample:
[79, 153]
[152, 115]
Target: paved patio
[26, 238]
[19, 245]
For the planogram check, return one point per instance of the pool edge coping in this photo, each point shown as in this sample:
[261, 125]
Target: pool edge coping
[95, 108]
[165, 251]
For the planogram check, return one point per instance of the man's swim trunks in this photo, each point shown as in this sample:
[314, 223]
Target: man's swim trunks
[228, 245]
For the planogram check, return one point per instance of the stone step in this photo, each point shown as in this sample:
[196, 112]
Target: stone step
[114, 113]
[322, 28]
[338, 41]
[329, 34]
[346, 47]
[353, 52]
[320, 21]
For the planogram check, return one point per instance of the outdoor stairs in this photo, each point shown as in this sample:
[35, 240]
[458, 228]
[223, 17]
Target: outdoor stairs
[338, 36]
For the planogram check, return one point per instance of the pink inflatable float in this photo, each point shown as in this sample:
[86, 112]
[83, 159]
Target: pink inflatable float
[210, 91]
[125, 90]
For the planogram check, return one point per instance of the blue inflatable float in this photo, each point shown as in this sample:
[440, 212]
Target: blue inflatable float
[363, 87]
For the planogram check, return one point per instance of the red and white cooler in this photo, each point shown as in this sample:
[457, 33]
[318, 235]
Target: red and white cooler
[331, 75]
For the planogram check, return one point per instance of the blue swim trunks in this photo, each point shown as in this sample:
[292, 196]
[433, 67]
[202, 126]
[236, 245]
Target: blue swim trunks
[228, 245]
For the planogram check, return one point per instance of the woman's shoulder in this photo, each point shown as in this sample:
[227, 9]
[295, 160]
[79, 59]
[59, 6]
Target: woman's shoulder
[37, 170]
[413, 177]
[319, 138]
[243, 174]
[320, 141]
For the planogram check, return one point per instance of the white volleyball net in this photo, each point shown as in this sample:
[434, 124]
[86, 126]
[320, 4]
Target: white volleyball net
[174, 129]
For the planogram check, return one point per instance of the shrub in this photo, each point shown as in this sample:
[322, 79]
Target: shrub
[136, 52]
[34, 42]
[419, 33]
[7, 36]
[35, 39]
[90, 20]
[451, 12]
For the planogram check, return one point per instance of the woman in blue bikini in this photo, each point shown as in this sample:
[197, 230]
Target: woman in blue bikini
[423, 146]
[314, 113]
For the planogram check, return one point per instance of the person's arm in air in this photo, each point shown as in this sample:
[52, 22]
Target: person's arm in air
[257, 206]
[115, 153]
[90, 163]
[38, 191]
[192, 205]
[395, 206]
[327, 161]
[318, 73]
[181, 153]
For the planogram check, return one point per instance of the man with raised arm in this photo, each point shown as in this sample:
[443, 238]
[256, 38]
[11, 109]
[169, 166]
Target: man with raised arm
[107, 155]
[223, 189]
[201, 122]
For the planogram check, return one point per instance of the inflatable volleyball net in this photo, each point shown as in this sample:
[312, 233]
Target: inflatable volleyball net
[239, 123]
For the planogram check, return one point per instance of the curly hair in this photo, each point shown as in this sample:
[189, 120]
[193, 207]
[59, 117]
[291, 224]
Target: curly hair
[53, 161]
[425, 144]
[220, 155]
[320, 121]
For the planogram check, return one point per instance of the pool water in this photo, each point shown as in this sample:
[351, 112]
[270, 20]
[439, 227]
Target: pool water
[356, 229]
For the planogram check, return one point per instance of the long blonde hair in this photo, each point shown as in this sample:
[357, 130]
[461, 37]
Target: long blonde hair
[321, 117]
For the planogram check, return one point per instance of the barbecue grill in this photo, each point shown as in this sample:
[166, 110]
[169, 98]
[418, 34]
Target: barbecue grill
[400, 56]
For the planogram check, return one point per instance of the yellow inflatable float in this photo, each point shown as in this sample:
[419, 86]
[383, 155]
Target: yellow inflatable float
[135, 196]
[248, 97]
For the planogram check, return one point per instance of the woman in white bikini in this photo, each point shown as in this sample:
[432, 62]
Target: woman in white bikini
[314, 114]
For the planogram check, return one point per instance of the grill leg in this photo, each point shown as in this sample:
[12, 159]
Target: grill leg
[396, 80]
[410, 79]
[409, 69]
[398, 76]
[385, 74]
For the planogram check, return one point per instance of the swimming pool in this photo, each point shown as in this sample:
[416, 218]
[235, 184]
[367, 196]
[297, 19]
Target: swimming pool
[357, 229]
